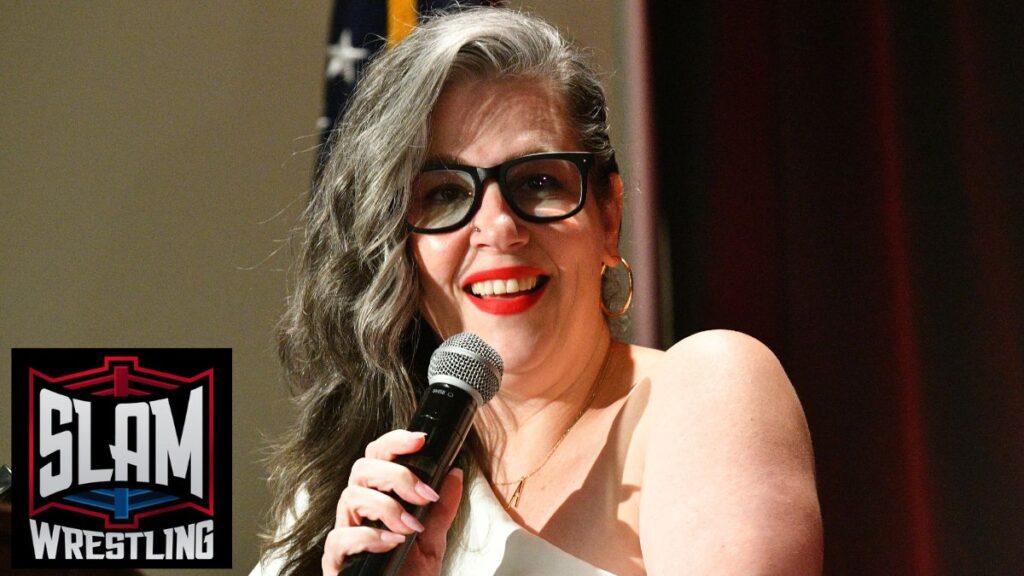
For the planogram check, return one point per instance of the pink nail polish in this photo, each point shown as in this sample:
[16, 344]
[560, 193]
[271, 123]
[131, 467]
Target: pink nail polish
[411, 521]
[392, 538]
[425, 491]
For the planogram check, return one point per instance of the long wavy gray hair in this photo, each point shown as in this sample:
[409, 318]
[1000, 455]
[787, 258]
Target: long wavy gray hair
[349, 341]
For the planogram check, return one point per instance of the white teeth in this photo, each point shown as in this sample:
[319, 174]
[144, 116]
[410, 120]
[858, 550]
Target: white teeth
[497, 287]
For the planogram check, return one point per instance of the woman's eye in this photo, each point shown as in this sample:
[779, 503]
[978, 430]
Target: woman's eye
[447, 195]
[541, 183]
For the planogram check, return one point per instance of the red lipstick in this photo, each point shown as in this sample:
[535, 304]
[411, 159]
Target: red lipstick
[506, 273]
[504, 305]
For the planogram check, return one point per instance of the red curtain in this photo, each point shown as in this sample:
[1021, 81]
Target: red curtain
[843, 181]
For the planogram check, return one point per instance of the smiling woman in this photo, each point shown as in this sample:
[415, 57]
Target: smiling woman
[507, 241]
[472, 187]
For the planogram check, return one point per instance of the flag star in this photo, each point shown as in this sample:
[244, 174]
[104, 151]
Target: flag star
[343, 58]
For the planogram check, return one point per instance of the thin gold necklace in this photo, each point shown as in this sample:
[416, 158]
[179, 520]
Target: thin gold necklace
[513, 500]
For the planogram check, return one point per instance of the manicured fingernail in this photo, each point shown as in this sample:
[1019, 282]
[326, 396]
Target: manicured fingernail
[392, 538]
[411, 521]
[425, 491]
[457, 472]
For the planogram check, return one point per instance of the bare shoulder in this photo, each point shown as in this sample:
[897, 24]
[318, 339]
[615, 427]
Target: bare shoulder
[720, 362]
[715, 364]
[728, 467]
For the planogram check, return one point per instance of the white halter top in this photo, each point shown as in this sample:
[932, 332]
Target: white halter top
[493, 544]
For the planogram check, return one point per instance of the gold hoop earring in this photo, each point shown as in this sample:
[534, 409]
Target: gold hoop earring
[629, 294]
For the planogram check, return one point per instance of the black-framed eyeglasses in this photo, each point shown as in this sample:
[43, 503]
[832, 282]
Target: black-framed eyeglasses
[538, 187]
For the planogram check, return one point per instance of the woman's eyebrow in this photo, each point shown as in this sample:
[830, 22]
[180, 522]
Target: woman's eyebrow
[445, 159]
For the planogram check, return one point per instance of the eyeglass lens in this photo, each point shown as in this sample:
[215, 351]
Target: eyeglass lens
[541, 188]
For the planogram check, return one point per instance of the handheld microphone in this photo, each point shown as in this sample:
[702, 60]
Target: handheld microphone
[464, 374]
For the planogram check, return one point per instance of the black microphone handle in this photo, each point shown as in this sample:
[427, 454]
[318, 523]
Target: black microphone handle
[445, 413]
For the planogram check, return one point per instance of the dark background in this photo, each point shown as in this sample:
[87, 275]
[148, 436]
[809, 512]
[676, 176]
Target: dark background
[843, 181]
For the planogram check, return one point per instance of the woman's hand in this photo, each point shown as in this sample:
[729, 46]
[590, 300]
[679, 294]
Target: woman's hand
[365, 497]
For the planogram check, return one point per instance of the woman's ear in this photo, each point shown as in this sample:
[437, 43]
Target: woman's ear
[611, 214]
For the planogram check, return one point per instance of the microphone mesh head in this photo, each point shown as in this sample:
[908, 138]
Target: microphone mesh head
[467, 357]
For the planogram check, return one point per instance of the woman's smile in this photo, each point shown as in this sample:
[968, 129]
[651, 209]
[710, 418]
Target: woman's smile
[505, 291]
[526, 288]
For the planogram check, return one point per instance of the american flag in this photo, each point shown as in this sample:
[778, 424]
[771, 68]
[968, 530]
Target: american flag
[360, 28]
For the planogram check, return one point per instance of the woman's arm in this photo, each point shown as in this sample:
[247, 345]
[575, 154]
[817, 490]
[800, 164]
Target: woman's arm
[729, 472]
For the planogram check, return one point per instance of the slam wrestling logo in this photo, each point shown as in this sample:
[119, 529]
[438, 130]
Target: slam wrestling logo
[122, 458]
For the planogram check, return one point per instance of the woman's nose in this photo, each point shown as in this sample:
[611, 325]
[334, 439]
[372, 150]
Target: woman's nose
[495, 224]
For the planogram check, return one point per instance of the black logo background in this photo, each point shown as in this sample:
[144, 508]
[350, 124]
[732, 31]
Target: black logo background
[186, 362]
